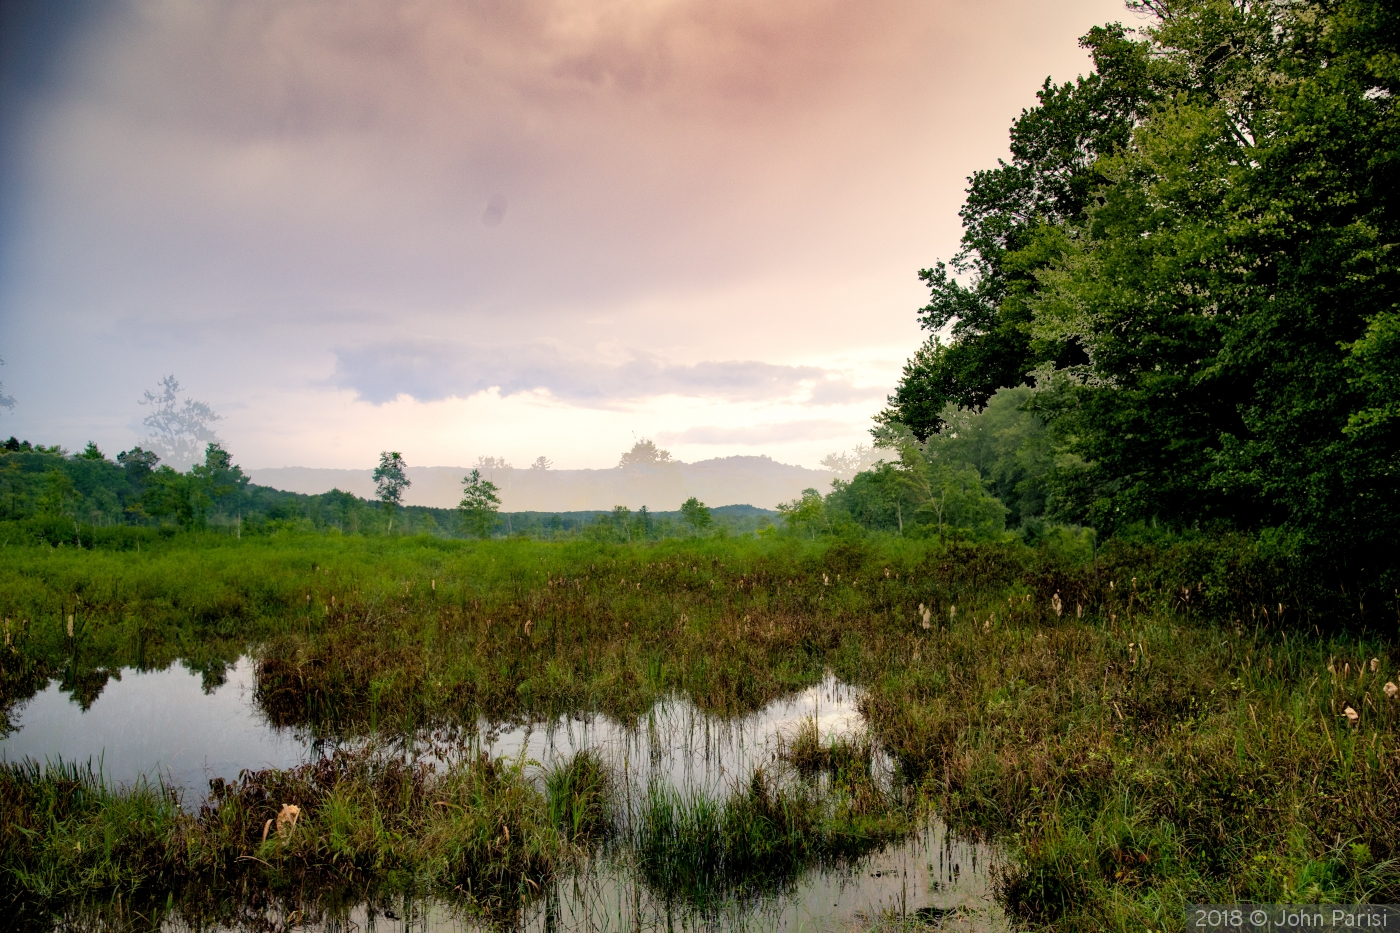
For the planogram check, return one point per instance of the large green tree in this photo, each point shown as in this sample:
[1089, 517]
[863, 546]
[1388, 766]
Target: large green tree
[1191, 256]
[696, 514]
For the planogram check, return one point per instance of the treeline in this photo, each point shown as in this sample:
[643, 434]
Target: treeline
[993, 475]
[88, 499]
[989, 475]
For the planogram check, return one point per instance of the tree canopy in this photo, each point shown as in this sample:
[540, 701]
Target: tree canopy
[696, 514]
[479, 504]
[390, 481]
[1190, 261]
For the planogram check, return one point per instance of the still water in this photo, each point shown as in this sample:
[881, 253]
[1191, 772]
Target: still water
[158, 725]
[167, 725]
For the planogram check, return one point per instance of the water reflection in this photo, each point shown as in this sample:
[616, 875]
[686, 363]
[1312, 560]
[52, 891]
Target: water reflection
[930, 876]
[931, 881]
[677, 743]
[185, 729]
[157, 724]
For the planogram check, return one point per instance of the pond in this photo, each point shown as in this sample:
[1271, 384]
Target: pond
[176, 726]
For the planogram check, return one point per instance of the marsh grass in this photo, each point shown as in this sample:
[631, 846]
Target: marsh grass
[1176, 732]
[581, 796]
[477, 832]
[757, 838]
[847, 760]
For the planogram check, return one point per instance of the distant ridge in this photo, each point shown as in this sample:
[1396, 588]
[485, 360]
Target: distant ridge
[760, 481]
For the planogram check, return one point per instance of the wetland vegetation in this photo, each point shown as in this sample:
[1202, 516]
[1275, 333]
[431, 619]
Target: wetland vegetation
[1140, 727]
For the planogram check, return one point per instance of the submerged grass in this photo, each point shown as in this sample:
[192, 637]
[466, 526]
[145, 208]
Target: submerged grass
[1144, 728]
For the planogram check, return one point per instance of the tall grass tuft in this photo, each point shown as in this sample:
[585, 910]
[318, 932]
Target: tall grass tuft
[846, 760]
[580, 797]
[67, 838]
[757, 838]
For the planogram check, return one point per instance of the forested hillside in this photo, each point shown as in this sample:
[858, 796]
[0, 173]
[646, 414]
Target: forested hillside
[89, 499]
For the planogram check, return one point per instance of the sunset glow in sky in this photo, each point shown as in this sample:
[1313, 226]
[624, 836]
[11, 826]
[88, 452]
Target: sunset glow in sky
[504, 227]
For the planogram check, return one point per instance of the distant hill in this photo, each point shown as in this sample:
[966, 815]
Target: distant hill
[757, 481]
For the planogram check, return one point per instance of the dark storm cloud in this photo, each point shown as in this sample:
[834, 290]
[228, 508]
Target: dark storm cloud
[286, 196]
[432, 370]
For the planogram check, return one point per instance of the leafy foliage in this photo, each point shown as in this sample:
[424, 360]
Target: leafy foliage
[479, 504]
[1190, 257]
[806, 513]
[188, 497]
[390, 481]
[696, 514]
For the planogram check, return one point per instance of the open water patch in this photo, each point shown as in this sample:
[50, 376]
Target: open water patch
[679, 745]
[162, 725]
[930, 881]
[172, 725]
[176, 726]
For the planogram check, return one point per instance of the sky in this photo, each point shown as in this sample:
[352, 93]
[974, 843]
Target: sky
[513, 228]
